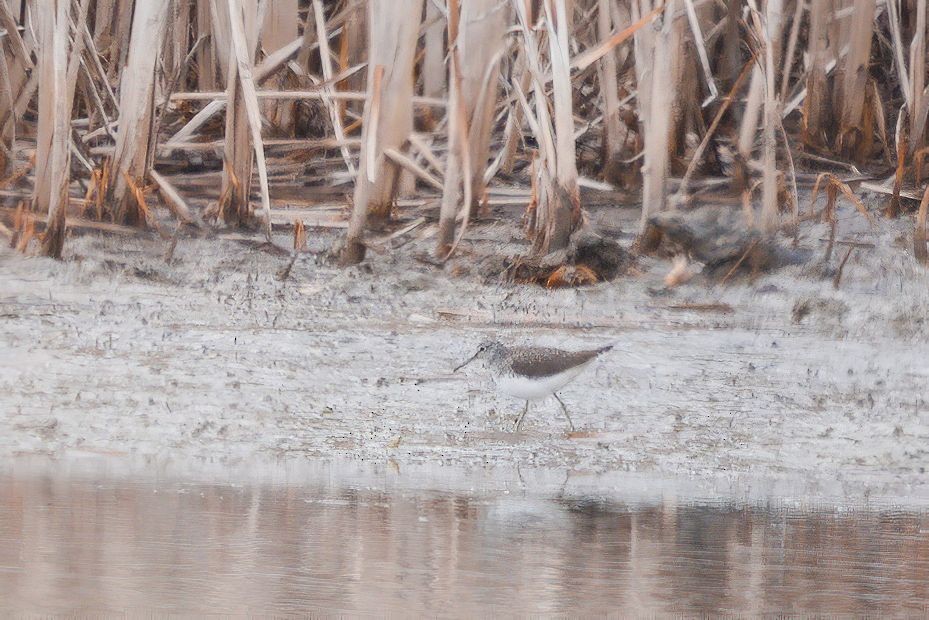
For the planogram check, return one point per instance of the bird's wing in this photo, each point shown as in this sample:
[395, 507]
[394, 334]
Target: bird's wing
[544, 362]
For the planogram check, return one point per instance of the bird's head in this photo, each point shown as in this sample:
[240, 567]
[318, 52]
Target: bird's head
[483, 350]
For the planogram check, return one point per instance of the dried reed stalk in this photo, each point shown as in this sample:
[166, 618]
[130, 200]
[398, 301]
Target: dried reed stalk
[136, 112]
[173, 199]
[918, 100]
[175, 60]
[206, 54]
[561, 213]
[245, 113]
[814, 106]
[773, 25]
[615, 132]
[52, 153]
[520, 77]
[853, 131]
[656, 54]
[353, 51]
[481, 43]
[16, 66]
[458, 156]
[433, 67]
[56, 94]
[388, 113]
[7, 107]
[557, 208]
[325, 60]
[103, 22]
[751, 113]
[119, 38]
[458, 124]
[478, 48]
[279, 29]
[563, 55]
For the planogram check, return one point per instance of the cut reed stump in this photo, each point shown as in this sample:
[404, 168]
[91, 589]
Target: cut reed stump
[719, 238]
[589, 257]
[856, 129]
[557, 210]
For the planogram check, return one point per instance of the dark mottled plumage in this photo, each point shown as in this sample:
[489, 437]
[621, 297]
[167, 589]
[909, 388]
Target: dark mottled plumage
[536, 362]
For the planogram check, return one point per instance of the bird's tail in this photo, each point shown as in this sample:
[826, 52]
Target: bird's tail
[603, 350]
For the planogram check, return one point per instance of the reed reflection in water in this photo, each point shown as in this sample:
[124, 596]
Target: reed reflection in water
[132, 546]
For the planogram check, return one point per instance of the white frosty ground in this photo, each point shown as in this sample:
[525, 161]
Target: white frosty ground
[113, 350]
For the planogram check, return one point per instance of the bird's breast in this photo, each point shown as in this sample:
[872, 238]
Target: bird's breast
[533, 388]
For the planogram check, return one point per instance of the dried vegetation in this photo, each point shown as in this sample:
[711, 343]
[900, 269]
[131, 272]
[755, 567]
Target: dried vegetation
[421, 115]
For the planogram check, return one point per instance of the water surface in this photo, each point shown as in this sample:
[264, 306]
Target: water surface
[108, 539]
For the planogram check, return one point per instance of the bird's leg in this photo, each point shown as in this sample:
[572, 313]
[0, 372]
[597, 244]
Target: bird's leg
[519, 420]
[565, 410]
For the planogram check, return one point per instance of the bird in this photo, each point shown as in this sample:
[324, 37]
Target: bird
[532, 373]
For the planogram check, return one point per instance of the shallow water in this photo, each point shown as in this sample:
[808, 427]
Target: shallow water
[152, 538]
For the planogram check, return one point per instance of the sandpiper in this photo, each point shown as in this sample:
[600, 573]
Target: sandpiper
[533, 373]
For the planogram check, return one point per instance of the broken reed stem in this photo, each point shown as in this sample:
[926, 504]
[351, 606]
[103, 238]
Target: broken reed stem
[173, 199]
[833, 223]
[325, 56]
[7, 104]
[751, 247]
[172, 244]
[838, 274]
[918, 99]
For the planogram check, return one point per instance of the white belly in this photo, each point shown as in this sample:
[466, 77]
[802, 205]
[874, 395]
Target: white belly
[533, 389]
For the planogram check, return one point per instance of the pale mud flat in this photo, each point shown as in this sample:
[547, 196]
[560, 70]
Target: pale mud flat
[113, 350]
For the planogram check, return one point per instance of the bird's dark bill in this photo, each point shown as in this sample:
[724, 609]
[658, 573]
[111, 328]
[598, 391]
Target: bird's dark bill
[470, 359]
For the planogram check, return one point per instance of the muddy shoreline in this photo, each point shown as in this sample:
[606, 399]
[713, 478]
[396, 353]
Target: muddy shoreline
[113, 350]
